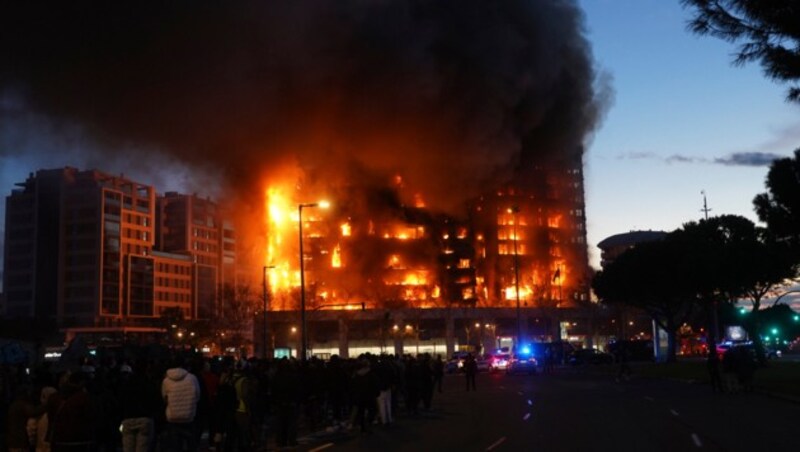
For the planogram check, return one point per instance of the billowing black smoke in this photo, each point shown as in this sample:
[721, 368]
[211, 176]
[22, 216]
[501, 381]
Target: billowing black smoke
[453, 94]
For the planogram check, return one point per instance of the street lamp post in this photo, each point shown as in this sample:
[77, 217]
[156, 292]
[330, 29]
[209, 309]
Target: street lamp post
[515, 209]
[264, 287]
[303, 335]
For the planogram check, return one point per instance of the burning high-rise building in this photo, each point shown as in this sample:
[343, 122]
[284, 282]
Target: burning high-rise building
[375, 259]
[482, 109]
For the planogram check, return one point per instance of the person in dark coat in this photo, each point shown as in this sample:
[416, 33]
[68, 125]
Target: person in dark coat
[21, 409]
[412, 386]
[365, 391]
[471, 370]
[72, 416]
[426, 381]
[714, 372]
[438, 373]
[140, 402]
[285, 395]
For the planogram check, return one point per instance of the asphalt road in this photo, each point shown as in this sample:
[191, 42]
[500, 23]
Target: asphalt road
[580, 411]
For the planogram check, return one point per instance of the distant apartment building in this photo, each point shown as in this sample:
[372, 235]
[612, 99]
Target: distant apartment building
[611, 247]
[91, 249]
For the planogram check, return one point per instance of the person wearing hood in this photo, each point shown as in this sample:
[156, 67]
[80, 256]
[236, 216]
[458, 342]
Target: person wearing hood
[181, 392]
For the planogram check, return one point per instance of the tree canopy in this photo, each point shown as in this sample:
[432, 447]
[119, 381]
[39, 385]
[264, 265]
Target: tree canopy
[697, 268]
[779, 207]
[769, 32]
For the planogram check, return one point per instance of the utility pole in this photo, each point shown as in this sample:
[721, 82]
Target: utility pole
[705, 208]
[715, 314]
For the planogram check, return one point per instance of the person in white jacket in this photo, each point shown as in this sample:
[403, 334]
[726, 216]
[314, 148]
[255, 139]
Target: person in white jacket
[181, 392]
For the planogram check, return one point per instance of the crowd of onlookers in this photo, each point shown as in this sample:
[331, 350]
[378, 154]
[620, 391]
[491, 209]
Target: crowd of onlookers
[188, 402]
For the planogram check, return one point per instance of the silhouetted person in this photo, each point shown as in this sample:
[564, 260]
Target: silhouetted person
[471, 370]
[365, 392]
[285, 395]
[714, 372]
[438, 373]
[426, 381]
[140, 403]
[624, 367]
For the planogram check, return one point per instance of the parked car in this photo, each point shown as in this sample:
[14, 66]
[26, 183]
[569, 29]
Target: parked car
[499, 361]
[590, 356]
[456, 362]
[769, 351]
[636, 350]
[526, 365]
[483, 364]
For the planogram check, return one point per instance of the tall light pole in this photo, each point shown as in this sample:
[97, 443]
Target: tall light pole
[303, 335]
[264, 287]
[515, 210]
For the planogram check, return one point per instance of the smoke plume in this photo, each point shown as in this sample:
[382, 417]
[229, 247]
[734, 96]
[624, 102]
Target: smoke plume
[454, 95]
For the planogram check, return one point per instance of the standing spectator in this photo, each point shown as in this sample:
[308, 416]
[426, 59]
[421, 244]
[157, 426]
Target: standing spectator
[438, 373]
[714, 372]
[42, 424]
[21, 409]
[140, 404]
[365, 392]
[385, 375]
[72, 416]
[285, 393]
[623, 356]
[470, 369]
[412, 386]
[210, 380]
[336, 380]
[181, 392]
[246, 389]
[426, 381]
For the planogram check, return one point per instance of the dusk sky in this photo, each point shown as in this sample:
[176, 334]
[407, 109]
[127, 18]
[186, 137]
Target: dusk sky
[683, 119]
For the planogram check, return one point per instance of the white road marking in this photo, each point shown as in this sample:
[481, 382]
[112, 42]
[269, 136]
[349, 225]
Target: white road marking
[674, 413]
[519, 393]
[696, 440]
[502, 387]
[530, 402]
[649, 399]
[496, 443]
[322, 447]
[526, 417]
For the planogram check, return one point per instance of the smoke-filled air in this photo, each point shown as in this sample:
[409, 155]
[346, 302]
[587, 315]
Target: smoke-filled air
[451, 96]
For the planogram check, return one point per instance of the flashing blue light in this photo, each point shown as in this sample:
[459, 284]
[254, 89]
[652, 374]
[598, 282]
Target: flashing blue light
[526, 350]
[796, 318]
[742, 311]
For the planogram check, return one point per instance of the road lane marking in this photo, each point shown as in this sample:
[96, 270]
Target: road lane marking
[674, 413]
[526, 417]
[649, 399]
[519, 393]
[696, 440]
[530, 402]
[322, 447]
[496, 443]
[502, 387]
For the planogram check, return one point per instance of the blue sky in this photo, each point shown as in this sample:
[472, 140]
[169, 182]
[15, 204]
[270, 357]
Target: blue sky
[680, 107]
